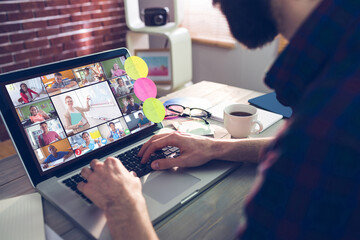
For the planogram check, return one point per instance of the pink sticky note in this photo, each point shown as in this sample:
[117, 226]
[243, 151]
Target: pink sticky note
[145, 88]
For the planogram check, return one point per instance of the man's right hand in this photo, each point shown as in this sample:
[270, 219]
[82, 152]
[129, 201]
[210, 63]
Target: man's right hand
[194, 150]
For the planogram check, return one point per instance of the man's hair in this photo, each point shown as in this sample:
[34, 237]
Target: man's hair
[82, 135]
[111, 123]
[140, 113]
[58, 74]
[251, 21]
[43, 123]
[88, 69]
[128, 97]
[32, 106]
[49, 147]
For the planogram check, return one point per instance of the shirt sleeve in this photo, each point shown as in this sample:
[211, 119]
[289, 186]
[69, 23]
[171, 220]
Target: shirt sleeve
[62, 154]
[307, 184]
[49, 159]
[32, 91]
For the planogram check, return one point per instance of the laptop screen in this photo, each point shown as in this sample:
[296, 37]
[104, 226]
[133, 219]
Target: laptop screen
[67, 114]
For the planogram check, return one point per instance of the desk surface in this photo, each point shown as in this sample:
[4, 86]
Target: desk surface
[215, 214]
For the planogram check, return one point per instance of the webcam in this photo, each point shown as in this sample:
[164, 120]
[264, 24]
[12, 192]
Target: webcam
[156, 16]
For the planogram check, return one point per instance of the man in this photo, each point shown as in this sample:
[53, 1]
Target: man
[60, 83]
[143, 122]
[308, 180]
[47, 136]
[55, 155]
[131, 105]
[115, 133]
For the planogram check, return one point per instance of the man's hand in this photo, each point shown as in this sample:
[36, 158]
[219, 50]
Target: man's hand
[194, 150]
[118, 192]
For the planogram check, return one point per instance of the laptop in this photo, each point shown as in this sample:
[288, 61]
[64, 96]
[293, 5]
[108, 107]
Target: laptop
[62, 115]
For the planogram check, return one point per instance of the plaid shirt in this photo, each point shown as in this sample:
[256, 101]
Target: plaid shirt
[308, 184]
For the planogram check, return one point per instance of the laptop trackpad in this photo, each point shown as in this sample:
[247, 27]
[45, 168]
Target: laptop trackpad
[168, 185]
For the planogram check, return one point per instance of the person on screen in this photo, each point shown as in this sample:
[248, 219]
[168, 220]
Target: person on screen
[37, 115]
[27, 94]
[47, 136]
[74, 116]
[55, 155]
[122, 89]
[143, 121]
[90, 76]
[88, 140]
[116, 71]
[131, 105]
[60, 83]
[115, 133]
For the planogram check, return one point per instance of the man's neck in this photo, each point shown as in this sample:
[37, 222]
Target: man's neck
[290, 14]
[55, 154]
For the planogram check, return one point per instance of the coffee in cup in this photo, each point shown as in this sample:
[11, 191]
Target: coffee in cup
[240, 120]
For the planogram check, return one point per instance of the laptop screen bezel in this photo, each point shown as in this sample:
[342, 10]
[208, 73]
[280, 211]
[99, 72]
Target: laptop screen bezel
[11, 120]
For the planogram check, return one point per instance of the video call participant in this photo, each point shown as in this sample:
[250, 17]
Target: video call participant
[55, 155]
[88, 140]
[122, 89]
[116, 71]
[60, 83]
[115, 133]
[47, 136]
[37, 115]
[27, 94]
[91, 76]
[143, 121]
[130, 105]
[83, 124]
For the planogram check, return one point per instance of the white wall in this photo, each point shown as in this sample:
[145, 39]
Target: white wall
[238, 67]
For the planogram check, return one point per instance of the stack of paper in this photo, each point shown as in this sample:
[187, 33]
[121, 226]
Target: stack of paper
[22, 218]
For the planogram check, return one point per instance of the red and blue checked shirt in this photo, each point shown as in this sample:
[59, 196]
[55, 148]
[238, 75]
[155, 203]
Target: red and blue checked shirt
[308, 183]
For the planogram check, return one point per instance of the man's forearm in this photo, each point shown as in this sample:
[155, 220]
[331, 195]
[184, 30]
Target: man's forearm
[241, 150]
[130, 223]
[50, 90]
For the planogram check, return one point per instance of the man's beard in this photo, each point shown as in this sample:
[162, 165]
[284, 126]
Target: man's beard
[251, 21]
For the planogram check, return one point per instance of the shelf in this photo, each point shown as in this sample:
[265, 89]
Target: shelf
[178, 38]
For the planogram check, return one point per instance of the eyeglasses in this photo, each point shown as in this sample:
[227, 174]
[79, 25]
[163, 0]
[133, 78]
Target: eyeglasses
[177, 110]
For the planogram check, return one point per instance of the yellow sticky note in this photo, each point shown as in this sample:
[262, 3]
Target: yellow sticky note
[95, 135]
[154, 110]
[136, 67]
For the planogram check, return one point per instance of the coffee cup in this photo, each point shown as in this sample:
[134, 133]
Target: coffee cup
[240, 120]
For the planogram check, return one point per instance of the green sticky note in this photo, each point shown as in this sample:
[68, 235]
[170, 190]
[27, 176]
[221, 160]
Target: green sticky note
[154, 110]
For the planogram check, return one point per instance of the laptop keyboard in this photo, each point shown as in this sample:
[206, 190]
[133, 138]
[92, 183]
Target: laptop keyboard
[132, 163]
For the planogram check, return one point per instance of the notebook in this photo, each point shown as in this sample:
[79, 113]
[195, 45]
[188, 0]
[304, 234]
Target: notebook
[269, 102]
[265, 117]
[22, 217]
[78, 145]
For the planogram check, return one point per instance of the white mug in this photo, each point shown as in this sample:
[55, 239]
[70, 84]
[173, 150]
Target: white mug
[240, 120]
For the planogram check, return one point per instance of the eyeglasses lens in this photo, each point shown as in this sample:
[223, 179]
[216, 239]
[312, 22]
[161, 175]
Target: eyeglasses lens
[198, 113]
[175, 110]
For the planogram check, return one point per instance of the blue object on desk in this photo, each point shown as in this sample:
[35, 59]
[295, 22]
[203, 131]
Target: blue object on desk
[269, 102]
